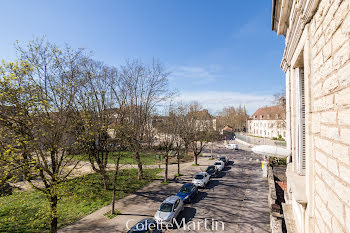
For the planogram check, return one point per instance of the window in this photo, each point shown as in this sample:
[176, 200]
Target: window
[300, 102]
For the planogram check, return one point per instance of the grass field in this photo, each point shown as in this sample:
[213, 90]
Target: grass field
[29, 211]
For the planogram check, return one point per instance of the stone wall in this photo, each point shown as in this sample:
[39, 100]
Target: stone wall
[330, 116]
[275, 217]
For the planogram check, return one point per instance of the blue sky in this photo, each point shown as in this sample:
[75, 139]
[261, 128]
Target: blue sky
[220, 52]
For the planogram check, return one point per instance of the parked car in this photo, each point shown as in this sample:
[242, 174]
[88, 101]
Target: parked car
[219, 165]
[232, 146]
[169, 210]
[187, 192]
[146, 225]
[224, 159]
[201, 179]
[212, 171]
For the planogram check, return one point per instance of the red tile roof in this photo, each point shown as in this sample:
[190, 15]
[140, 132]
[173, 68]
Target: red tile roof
[227, 128]
[283, 185]
[269, 111]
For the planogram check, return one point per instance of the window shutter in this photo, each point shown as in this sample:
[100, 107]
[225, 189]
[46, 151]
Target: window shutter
[301, 151]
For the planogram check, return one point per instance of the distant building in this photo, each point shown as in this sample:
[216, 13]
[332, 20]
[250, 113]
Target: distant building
[204, 120]
[316, 62]
[268, 122]
[227, 133]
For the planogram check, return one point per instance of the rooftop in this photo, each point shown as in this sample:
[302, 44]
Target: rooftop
[269, 113]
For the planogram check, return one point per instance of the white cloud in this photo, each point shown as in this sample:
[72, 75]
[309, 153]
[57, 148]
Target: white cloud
[195, 74]
[216, 100]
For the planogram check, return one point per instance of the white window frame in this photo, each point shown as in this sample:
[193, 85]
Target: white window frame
[301, 133]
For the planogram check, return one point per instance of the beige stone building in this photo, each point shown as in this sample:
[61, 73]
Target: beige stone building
[316, 62]
[268, 122]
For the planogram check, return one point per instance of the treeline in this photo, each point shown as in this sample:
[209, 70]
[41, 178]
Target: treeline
[236, 118]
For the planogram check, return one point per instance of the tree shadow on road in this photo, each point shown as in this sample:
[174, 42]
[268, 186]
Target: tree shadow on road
[212, 184]
[200, 196]
[221, 175]
[187, 215]
[231, 162]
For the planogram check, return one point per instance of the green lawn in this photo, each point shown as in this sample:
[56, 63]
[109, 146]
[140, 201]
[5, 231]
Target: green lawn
[147, 158]
[29, 211]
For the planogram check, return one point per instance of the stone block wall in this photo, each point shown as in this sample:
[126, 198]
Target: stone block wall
[330, 115]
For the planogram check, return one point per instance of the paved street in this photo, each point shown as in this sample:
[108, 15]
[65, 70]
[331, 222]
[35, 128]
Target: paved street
[237, 197]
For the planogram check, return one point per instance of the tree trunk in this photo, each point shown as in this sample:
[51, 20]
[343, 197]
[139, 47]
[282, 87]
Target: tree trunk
[53, 205]
[105, 179]
[166, 167]
[139, 165]
[115, 182]
[178, 164]
[195, 158]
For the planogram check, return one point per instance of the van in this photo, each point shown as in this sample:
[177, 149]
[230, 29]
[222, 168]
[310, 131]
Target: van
[232, 146]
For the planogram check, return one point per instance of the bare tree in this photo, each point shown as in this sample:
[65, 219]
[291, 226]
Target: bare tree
[178, 147]
[186, 131]
[201, 129]
[143, 88]
[279, 99]
[234, 117]
[167, 130]
[98, 114]
[195, 125]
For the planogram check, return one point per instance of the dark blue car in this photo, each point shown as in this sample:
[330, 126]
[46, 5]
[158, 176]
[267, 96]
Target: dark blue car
[187, 192]
[145, 226]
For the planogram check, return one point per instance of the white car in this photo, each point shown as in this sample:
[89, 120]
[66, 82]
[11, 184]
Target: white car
[219, 165]
[169, 210]
[201, 179]
[232, 146]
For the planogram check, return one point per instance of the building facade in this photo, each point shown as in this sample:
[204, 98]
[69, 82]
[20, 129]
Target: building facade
[268, 122]
[316, 62]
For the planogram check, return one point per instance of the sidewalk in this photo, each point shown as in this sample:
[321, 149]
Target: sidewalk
[260, 141]
[137, 206]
